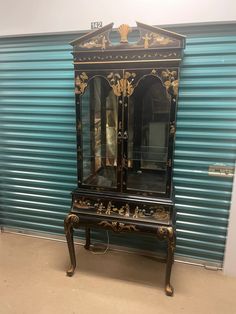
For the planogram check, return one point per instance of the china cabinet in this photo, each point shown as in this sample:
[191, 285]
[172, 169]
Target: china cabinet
[126, 100]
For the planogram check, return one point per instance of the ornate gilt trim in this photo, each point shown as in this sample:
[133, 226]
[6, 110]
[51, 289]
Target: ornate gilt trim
[125, 61]
[169, 79]
[165, 232]
[171, 82]
[145, 56]
[170, 231]
[154, 212]
[150, 37]
[81, 83]
[117, 226]
[124, 30]
[71, 221]
[122, 85]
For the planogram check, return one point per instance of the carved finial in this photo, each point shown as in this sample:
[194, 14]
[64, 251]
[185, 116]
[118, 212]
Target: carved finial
[124, 30]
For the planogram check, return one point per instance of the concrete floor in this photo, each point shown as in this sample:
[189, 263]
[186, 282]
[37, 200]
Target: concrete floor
[32, 280]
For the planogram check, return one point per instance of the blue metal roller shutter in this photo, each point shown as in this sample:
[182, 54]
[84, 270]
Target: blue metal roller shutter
[206, 134]
[37, 137]
[38, 165]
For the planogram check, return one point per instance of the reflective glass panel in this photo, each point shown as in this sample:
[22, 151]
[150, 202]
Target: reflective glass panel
[99, 134]
[148, 129]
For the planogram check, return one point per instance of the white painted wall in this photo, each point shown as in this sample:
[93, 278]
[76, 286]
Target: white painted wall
[42, 16]
[230, 252]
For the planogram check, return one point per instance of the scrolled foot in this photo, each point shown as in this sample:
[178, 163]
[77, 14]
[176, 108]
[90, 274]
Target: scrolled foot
[70, 271]
[169, 290]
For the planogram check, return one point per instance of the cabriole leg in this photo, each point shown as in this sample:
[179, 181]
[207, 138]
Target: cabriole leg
[170, 258]
[70, 222]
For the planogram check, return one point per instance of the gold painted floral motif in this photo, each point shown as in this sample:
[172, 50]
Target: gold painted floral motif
[170, 79]
[122, 85]
[118, 226]
[81, 83]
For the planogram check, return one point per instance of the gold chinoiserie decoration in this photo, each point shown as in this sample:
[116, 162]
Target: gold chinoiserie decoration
[122, 85]
[118, 226]
[81, 83]
[126, 100]
[124, 30]
[82, 204]
[99, 42]
[153, 40]
[146, 40]
[170, 81]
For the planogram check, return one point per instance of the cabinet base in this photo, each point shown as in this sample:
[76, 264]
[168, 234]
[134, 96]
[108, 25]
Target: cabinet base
[120, 224]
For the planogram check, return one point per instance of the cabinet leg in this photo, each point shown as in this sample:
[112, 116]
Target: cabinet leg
[88, 239]
[170, 258]
[70, 222]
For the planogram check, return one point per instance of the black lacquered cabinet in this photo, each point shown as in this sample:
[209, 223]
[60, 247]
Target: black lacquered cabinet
[126, 101]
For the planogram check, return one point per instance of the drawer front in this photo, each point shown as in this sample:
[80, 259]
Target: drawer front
[117, 208]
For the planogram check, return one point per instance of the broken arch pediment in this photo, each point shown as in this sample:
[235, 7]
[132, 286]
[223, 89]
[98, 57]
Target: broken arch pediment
[149, 37]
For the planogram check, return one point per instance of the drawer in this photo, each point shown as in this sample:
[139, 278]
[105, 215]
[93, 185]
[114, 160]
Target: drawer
[132, 210]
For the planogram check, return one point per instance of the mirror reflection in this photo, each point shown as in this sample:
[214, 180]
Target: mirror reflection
[99, 134]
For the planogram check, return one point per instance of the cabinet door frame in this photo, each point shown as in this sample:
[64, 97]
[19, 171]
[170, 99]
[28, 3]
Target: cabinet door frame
[79, 127]
[122, 125]
[141, 73]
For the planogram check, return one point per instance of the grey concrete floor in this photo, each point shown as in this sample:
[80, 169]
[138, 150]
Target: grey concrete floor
[33, 280]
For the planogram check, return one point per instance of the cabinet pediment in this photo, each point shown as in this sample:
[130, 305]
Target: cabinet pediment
[95, 40]
[148, 37]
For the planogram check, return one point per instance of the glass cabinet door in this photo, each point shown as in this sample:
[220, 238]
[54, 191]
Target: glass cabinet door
[98, 114]
[148, 136]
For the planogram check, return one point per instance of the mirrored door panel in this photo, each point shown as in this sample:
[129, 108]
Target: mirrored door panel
[99, 134]
[148, 130]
